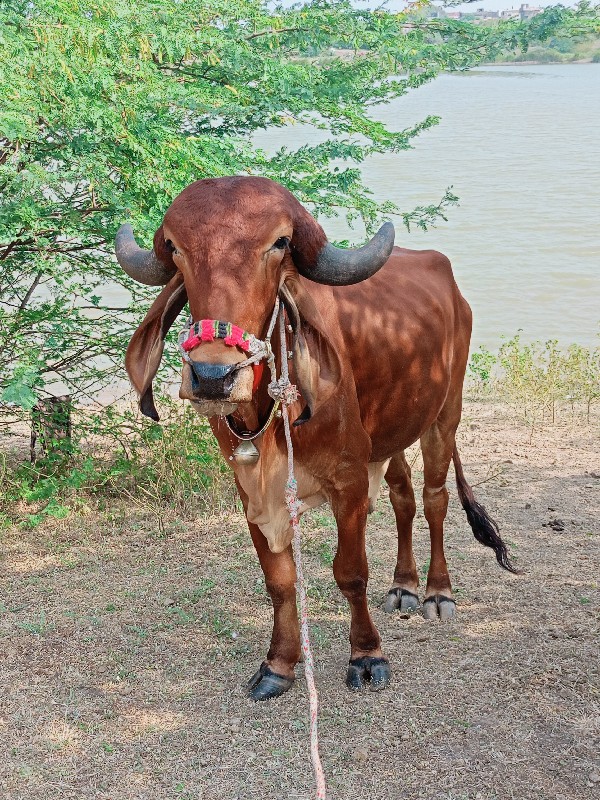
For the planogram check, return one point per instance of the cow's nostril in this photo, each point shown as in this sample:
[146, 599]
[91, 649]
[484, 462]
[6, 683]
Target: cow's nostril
[212, 381]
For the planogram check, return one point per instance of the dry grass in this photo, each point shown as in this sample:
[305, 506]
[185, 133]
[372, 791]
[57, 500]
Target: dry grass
[123, 647]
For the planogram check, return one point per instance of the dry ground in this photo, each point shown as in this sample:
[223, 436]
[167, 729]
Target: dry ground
[124, 644]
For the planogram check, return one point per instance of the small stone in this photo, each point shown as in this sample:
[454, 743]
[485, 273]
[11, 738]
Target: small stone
[422, 638]
[595, 474]
[125, 690]
[169, 601]
[405, 737]
[527, 506]
[360, 755]
[551, 509]
[595, 776]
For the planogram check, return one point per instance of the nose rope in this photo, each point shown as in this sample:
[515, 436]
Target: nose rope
[282, 391]
[288, 394]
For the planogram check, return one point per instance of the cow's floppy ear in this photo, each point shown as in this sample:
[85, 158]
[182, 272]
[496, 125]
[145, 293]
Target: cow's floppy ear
[147, 343]
[316, 362]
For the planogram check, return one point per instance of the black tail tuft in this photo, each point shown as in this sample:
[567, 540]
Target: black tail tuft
[485, 529]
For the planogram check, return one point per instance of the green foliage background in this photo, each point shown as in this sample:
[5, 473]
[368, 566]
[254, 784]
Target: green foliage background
[108, 109]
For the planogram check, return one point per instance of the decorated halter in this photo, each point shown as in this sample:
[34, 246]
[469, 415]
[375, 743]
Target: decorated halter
[207, 330]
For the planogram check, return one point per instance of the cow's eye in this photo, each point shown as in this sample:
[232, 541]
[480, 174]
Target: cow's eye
[281, 243]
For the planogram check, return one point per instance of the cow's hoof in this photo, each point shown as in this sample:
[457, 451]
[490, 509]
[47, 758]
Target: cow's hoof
[400, 598]
[266, 684]
[374, 671]
[439, 606]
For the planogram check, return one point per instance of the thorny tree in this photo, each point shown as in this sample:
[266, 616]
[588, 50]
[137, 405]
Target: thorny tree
[109, 108]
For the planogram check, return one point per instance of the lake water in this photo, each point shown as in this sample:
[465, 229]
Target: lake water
[521, 147]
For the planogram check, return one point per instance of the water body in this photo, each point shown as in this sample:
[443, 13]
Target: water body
[521, 147]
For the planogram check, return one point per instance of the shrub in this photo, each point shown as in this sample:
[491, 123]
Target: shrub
[176, 464]
[537, 379]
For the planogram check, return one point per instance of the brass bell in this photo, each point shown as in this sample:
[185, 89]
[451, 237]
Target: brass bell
[246, 453]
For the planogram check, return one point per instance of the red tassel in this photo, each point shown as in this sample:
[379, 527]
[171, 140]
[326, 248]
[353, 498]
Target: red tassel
[190, 343]
[208, 330]
[258, 373]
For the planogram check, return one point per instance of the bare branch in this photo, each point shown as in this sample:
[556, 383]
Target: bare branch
[30, 291]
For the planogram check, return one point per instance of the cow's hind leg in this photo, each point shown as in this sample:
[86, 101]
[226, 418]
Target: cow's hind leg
[437, 445]
[403, 594]
[367, 662]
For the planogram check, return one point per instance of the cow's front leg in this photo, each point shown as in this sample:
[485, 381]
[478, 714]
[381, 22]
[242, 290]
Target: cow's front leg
[276, 674]
[351, 571]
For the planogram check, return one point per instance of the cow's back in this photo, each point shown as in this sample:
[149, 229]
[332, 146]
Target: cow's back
[406, 334]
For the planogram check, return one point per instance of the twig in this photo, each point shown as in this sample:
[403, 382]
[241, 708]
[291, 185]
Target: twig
[491, 477]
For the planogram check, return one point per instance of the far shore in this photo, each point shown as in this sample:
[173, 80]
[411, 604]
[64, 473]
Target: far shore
[537, 63]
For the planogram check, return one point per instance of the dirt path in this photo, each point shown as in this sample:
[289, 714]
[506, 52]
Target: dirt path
[123, 649]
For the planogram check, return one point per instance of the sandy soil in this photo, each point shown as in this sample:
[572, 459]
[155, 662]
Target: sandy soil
[124, 645]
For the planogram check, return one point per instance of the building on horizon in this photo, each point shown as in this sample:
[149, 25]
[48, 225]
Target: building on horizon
[483, 15]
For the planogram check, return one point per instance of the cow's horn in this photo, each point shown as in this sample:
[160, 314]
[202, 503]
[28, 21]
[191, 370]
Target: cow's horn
[141, 265]
[338, 267]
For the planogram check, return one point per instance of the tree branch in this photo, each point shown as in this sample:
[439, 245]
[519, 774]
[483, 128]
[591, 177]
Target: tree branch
[30, 291]
[10, 247]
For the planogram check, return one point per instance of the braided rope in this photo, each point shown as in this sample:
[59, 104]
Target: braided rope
[288, 394]
[285, 392]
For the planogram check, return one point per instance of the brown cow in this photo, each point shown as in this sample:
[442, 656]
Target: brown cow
[379, 339]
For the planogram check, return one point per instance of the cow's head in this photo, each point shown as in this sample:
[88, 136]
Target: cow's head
[230, 246]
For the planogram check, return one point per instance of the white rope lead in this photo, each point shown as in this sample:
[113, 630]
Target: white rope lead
[288, 396]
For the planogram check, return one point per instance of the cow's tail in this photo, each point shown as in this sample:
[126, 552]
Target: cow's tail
[484, 527]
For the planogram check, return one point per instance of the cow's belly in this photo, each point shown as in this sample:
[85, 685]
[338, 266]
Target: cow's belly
[399, 422]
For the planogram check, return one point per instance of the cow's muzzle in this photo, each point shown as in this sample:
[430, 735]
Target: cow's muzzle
[211, 381]
[215, 388]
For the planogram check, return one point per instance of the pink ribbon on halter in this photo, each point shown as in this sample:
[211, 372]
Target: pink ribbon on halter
[208, 331]
[235, 339]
